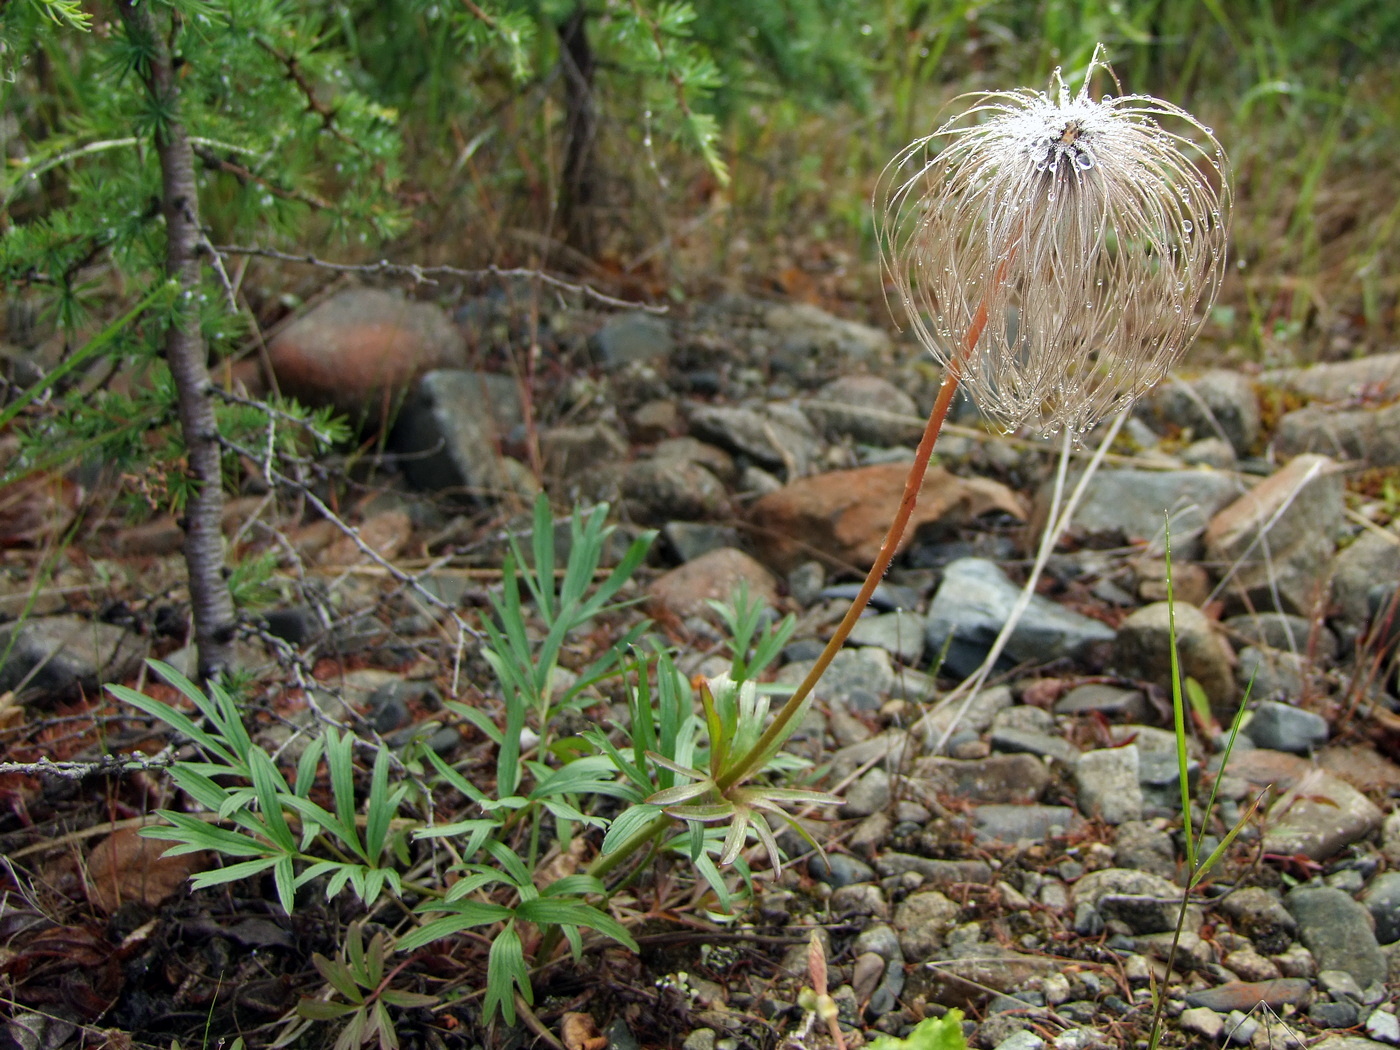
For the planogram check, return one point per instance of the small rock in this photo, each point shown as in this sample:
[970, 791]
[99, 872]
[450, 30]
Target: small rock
[700, 1039]
[1216, 453]
[658, 490]
[688, 540]
[1356, 569]
[361, 350]
[1202, 1021]
[1132, 506]
[1297, 961]
[1319, 815]
[974, 602]
[1292, 634]
[867, 409]
[839, 869]
[1348, 1042]
[863, 899]
[937, 872]
[1034, 742]
[1371, 435]
[1339, 1014]
[1283, 727]
[656, 420]
[1022, 1040]
[1301, 508]
[857, 679]
[846, 513]
[1240, 1027]
[1383, 1026]
[1220, 403]
[684, 591]
[1108, 784]
[1159, 779]
[775, 435]
[1382, 900]
[64, 656]
[1376, 375]
[867, 795]
[630, 338]
[1112, 702]
[1271, 675]
[1147, 848]
[806, 330]
[1339, 985]
[1017, 778]
[1337, 930]
[1013, 824]
[1390, 838]
[922, 921]
[1247, 995]
[1142, 648]
[1249, 965]
[901, 634]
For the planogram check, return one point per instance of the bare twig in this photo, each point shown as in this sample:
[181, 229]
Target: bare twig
[104, 766]
[427, 274]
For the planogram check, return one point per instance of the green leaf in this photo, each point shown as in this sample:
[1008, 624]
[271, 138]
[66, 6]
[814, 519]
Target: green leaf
[232, 873]
[320, 1010]
[465, 916]
[338, 976]
[627, 823]
[556, 911]
[932, 1033]
[505, 971]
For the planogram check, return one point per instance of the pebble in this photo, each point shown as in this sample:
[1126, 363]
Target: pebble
[1382, 900]
[901, 634]
[1142, 650]
[716, 576]
[1112, 702]
[1383, 1026]
[1014, 778]
[1108, 784]
[1283, 727]
[1129, 506]
[65, 656]
[1202, 1021]
[922, 921]
[1337, 930]
[1014, 824]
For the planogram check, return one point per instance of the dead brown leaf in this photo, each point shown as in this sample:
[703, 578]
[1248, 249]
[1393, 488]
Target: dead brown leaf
[580, 1032]
[125, 867]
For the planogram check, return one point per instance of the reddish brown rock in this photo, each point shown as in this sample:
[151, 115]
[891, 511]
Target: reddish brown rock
[846, 513]
[1247, 995]
[684, 591]
[385, 534]
[361, 351]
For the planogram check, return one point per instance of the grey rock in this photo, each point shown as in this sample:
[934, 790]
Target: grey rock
[1337, 930]
[839, 869]
[922, 921]
[1108, 784]
[938, 872]
[1034, 742]
[688, 540]
[1022, 1040]
[777, 436]
[1383, 1026]
[1271, 674]
[1240, 1028]
[691, 450]
[980, 711]
[1202, 1021]
[1348, 1042]
[975, 600]
[892, 748]
[1146, 847]
[901, 634]
[1012, 824]
[1260, 915]
[450, 432]
[1355, 570]
[1249, 965]
[804, 330]
[1012, 779]
[1219, 403]
[1292, 634]
[1339, 984]
[1279, 537]
[869, 794]
[1382, 900]
[1326, 814]
[1375, 375]
[571, 450]
[867, 409]
[860, 900]
[1128, 506]
[1371, 435]
[1214, 452]
[1159, 778]
[1114, 703]
[63, 656]
[880, 939]
[1143, 649]
[1147, 903]
[1390, 838]
[1283, 727]
[631, 338]
[859, 679]
[662, 490]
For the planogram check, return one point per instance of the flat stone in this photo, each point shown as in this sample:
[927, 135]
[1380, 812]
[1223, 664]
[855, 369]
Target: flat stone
[1220, 403]
[938, 872]
[1337, 930]
[1202, 1021]
[1384, 1027]
[839, 869]
[1271, 674]
[901, 634]
[1292, 634]
[858, 679]
[865, 408]
[1159, 779]
[1012, 779]
[450, 430]
[967, 979]
[1320, 814]
[1370, 557]
[1145, 847]
[867, 795]
[1147, 903]
[1371, 435]
[687, 540]
[1133, 506]
[1013, 824]
[686, 590]
[632, 338]
[1247, 995]
[777, 436]
[1279, 537]
[807, 330]
[1284, 727]
[1375, 375]
[67, 656]
[981, 709]
[975, 600]
[661, 490]
[1112, 702]
[1249, 965]
[1035, 742]
[1213, 452]
[1142, 648]
[1363, 767]
[360, 352]
[1349, 1042]
[846, 513]
[1108, 784]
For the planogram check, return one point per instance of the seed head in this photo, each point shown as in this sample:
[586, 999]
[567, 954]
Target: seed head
[1090, 231]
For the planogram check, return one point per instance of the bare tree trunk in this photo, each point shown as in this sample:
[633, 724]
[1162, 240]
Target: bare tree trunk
[185, 352]
[581, 135]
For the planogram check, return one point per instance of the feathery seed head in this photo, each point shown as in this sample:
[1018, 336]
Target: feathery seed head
[1079, 241]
